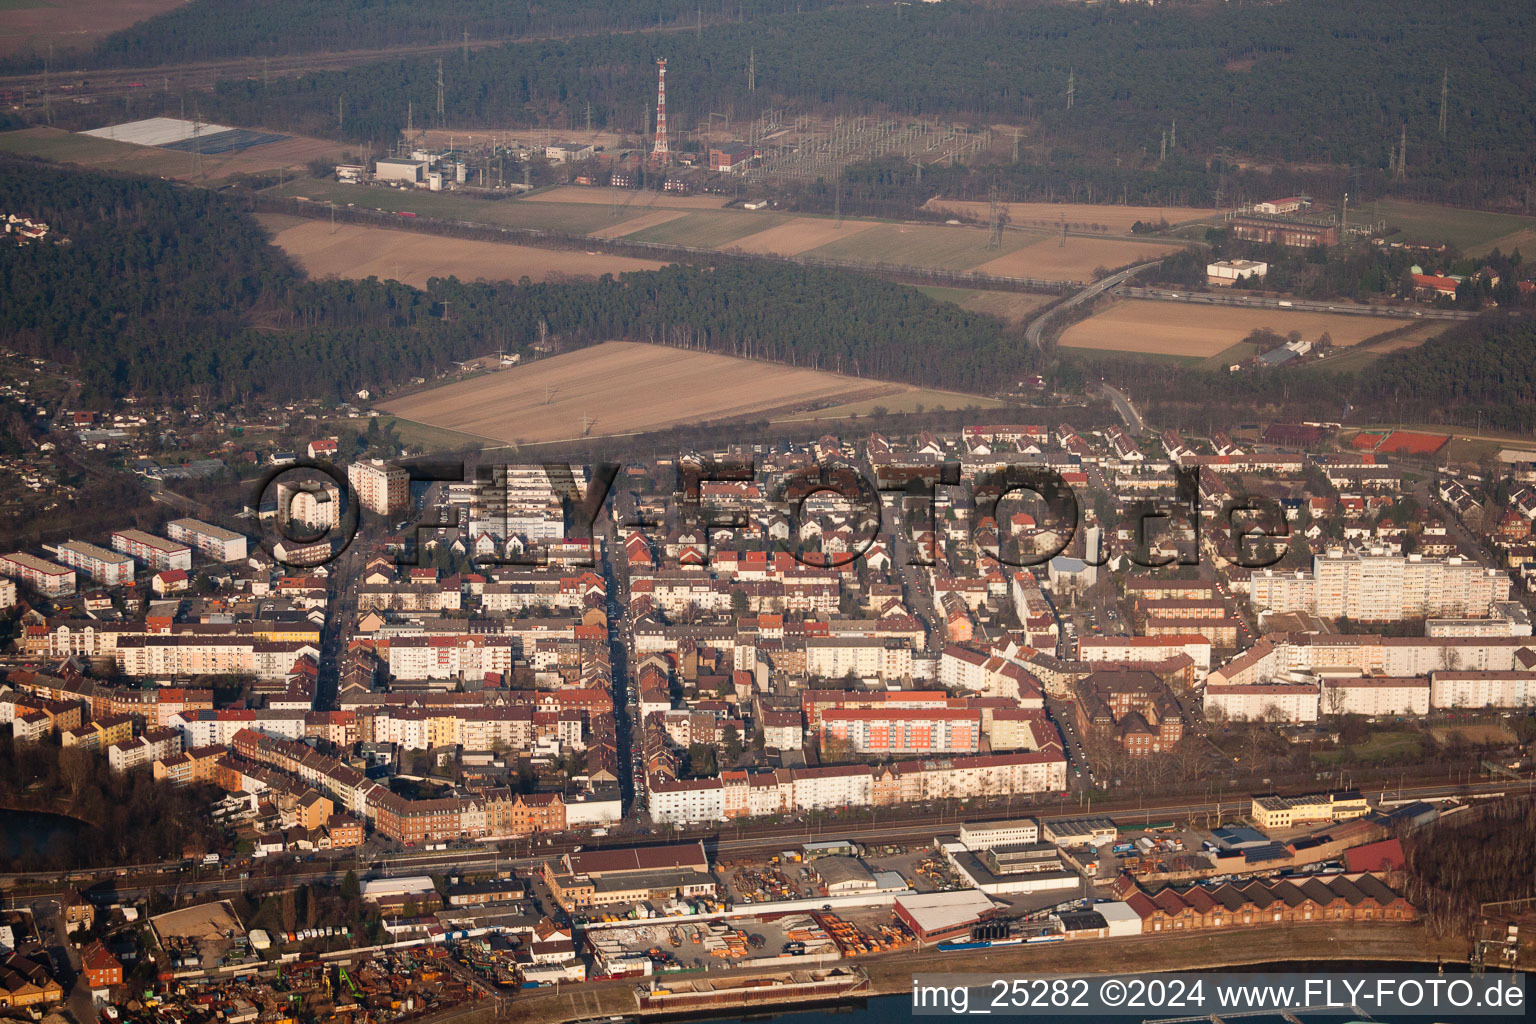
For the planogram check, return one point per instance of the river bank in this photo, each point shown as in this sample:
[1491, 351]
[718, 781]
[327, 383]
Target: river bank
[891, 974]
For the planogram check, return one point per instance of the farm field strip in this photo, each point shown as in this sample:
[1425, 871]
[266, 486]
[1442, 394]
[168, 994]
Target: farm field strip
[1171, 329]
[1107, 217]
[622, 387]
[1077, 260]
[1473, 231]
[358, 251]
[799, 235]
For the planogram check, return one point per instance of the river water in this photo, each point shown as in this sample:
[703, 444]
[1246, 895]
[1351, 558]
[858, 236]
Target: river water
[38, 832]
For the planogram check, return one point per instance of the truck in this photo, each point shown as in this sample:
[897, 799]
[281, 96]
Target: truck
[210, 858]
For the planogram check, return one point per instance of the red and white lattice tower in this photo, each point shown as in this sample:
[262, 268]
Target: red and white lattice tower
[660, 153]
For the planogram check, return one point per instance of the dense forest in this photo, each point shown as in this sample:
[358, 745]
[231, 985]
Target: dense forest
[1486, 855]
[166, 290]
[207, 29]
[1309, 81]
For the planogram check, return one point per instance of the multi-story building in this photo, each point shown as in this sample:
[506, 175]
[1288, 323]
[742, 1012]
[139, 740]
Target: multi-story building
[143, 751]
[902, 731]
[1374, 586]
[47, 578]
[313, 504]
[108, 568]
[1295, 703]
[1510, 689]
[1270, 812]
[1376, 695]
[381, 487]
[215, 542]
[155, 553]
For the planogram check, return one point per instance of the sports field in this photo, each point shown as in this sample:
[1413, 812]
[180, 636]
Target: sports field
[1473, 231]
[356, 251]
[1187, 330]
[623, 387]
[1105, 217]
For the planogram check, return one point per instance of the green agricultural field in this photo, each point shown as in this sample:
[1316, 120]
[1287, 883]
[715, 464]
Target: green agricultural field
[922, 245]
[1472, 231]
[708, 229]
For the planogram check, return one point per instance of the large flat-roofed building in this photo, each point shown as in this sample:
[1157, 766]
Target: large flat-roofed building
[409, 171]
[108, 568]
[936, 916]
[1376, 695]
[1292, 230]
[999, 833]
[45, 577]
[215, 542]
[157, 553]
[632, 875]
[1225, 273]
[1271, 812]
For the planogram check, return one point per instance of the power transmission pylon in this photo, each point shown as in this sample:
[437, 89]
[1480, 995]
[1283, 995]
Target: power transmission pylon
[1445, 92]
[439, 92]
[752, 72]
[1017, 134]
[1402, 154]
[1071, 86]
[994, 219]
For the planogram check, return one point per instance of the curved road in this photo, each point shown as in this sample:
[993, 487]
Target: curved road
[1123, 406]
[1034, 331]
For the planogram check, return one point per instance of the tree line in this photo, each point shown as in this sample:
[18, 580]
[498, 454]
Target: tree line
[168, 291]
[1308, 82]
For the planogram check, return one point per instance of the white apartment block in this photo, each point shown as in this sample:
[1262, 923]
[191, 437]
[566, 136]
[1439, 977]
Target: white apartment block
[1482, 689]
[1374, 696]
[108, 568]
[834, 657]
[155, 553]
[380, 487]
[1147, 648]
[1373, 586]
[7, 593]
[312, 504]
[218, 728]
[47, 578]
[142, 751]
[1295, 703]
[215, 542]
[450, 657]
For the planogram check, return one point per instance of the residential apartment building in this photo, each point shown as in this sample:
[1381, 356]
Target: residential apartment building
[902, 731]
[1373, 586]
[154, 553]
[1373, 696]
[381, 487]
[215, 542]
[1295, 703]
[47, 578]
[143, 751]
[109, 568]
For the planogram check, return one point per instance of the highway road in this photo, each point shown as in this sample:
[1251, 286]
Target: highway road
[1298, 305]
[1034, 333]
